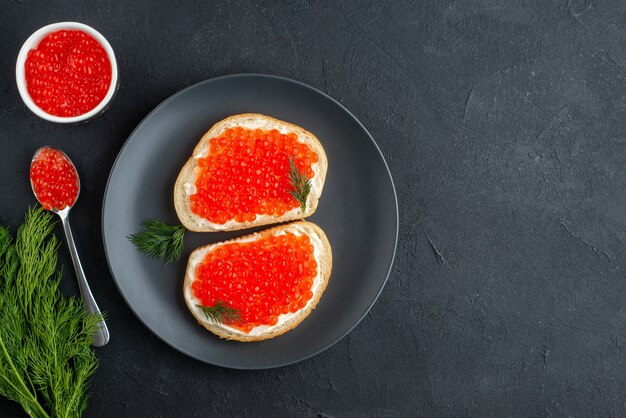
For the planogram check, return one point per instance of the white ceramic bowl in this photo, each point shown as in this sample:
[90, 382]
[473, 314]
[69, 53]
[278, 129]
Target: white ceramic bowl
[33, 41]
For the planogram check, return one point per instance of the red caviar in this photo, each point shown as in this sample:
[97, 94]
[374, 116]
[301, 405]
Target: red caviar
[54, 179]
[261, 279]
[68, 73]
[246, 174]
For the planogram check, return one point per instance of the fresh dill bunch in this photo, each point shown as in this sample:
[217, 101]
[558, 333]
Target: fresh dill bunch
[160, 240]
[300, 183]
[221, 313]
[46, 358]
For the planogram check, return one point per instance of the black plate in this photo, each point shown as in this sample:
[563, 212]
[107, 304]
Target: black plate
[358, 211]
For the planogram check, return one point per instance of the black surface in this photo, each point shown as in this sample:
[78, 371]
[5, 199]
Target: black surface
[503, 124]
[141, 185]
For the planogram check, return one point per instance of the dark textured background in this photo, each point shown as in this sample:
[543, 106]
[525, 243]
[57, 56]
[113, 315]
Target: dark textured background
[504, 127]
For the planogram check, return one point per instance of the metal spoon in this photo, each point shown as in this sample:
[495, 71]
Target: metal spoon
[101, 335]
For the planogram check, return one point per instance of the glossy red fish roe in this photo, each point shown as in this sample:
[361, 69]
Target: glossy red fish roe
[68, 73]
[246, 174]
[54, 179]
[261, 279]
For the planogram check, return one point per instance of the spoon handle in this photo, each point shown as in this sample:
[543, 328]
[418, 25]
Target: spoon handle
[101, 335]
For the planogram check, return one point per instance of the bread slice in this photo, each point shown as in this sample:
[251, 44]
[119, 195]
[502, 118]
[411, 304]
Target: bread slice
[286, 321]
[185, 183]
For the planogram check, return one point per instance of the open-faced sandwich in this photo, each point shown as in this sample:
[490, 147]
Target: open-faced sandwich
[250, 170]
[261, 285]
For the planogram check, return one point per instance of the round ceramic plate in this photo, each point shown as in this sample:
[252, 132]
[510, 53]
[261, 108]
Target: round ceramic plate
[358, 211]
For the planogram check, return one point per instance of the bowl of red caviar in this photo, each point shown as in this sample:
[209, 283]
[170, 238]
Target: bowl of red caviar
[66, 72]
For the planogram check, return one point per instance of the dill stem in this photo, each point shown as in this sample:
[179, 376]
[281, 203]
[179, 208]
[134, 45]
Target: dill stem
[19, 379]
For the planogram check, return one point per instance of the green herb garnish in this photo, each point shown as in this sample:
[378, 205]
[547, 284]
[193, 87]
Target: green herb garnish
[46, 358]
[300, 183]
[221, 313]
[160, 240]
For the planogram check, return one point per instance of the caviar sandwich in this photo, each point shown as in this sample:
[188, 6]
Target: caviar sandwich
[258, 286]
[250, 170]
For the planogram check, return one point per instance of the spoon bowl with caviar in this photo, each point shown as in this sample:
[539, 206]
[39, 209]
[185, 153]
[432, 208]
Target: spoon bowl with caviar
[56, 186]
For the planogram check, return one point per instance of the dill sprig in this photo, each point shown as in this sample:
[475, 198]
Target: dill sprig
[160, 240]
[46, 358]
[300, 183]
[221, 313]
